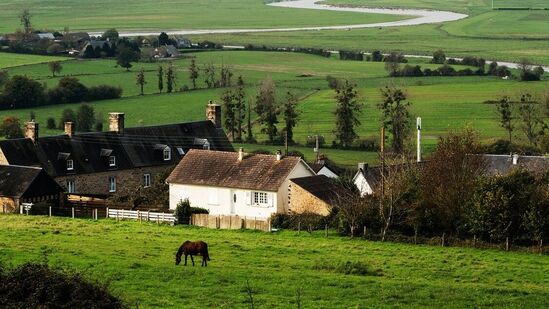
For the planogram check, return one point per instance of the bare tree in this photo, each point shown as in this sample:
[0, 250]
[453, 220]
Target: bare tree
[25, 19]
[55, 67]
[352, 207]
[531, 117]
[209, 75]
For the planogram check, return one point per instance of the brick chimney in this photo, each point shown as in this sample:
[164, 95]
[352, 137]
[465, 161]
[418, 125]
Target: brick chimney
[31, 130]
[240, 154]
[213, 113]
[116, 122]
[69, 128]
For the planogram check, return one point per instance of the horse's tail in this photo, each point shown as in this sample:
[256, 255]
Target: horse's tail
[207, 253]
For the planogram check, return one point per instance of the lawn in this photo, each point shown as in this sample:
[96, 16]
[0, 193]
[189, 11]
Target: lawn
[100, 15]
[8, 60]
[137, 259]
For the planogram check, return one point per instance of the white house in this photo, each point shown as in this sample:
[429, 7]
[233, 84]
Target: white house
[323, 169]
[235, 183]
[364, 179]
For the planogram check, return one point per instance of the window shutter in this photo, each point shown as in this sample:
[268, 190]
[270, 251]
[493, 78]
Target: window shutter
[248, 197]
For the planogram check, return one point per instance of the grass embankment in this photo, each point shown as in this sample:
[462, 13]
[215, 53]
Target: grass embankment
[138, 260]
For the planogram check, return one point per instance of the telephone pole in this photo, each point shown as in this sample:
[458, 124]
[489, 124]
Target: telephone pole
[418, 124]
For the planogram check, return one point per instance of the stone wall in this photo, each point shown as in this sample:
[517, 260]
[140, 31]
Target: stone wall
[8, 205]
[302, 201]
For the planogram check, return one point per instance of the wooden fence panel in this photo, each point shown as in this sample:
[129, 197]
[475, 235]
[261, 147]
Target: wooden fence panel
[231, 222]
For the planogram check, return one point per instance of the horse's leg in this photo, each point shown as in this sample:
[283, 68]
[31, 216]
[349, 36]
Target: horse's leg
[185, 260]
[205, 261]
[192, 259]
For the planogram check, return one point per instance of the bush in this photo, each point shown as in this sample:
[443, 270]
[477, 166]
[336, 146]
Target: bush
[37, 286]
[333, 82]
[367, 144]
[183, 211]
[50, 123]
[349, 268]
[304, 221]
[103, 92]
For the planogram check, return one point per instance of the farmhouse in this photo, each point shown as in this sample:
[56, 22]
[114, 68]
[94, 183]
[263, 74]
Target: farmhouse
[235, 183]
[120, 160]
[313, 194]
[21, 184]
[504, 164]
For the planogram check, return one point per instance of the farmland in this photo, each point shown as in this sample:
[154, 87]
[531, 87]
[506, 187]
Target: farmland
[8, 60]
[138, 261]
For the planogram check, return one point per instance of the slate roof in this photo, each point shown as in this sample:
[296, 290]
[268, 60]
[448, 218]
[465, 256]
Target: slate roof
[135, 148]
[223, 169]
[373, 174]
[21, 181]
[503, 164]
[320, 186]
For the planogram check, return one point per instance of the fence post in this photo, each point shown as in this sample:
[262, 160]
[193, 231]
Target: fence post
[298, 227]
[107, 213]
[72, 210]
[475, 241]
[326, 230]
[364, 232]
[506, 243]
[148, 215]
[157, 219]
[95, 214]
[4, 208]
[49, 212]
[442, 240]
[139, 216]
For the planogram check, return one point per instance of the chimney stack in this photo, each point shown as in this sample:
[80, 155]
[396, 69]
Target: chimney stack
[278, 155]
[69, 128]
[116, 122]
[363, 166]
[213, 113]
[240, 154]
[31, 130]
[515, 159]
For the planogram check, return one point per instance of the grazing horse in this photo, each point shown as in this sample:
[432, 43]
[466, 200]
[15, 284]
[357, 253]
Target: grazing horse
[193, 248]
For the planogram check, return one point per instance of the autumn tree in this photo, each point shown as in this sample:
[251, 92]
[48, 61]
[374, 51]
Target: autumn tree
[11, 127]
[291, 114]
[55, 67]
[266, 108]
[395, 116]
[140, 80]
[193, 72]
[347, 112]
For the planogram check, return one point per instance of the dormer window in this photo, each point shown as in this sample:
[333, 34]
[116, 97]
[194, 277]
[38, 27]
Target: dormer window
[180, 151]
[112, 161]
[167, 154]
[206, 145]
[70, 165]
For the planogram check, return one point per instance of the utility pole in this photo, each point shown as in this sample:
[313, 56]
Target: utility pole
[382, 177]
[286, 141]
[317, 150]
[418, 124]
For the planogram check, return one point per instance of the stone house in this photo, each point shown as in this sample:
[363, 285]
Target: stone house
[236, 183]
[120, 160]
[314, 194]
[22, 184]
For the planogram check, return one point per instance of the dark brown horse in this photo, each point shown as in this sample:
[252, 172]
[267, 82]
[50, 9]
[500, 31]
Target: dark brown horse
[193, 248]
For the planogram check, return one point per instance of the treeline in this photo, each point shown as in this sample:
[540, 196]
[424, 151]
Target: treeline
[303, 50]
[24, 92]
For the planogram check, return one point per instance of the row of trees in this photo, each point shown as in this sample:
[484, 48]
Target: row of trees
[23, 92]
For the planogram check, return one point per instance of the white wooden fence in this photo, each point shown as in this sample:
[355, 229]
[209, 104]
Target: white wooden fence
[158, 217]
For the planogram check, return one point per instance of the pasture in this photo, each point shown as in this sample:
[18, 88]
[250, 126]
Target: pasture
[8, 60]
[138, 261]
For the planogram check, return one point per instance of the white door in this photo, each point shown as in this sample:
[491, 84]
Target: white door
[233, 202]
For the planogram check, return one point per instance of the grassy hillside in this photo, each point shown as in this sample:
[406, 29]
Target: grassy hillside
[138, 261]
[8, 60]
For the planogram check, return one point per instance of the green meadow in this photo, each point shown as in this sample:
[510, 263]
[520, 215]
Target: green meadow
[8, 60]
[137, 260]
[444, 103]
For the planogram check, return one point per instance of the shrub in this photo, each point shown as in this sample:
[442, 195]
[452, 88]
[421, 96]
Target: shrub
[367, 144]
[446, 70]
[183, 211]
[103, 92]
[50, 123]
[377, 56]
[349, 268]
[305, 221]
[410, 70]
[37, 286]
[333, 82]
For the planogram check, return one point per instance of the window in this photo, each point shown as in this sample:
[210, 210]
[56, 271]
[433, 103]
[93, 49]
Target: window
[260, 198]
[167, 154]
[112, 161]
[70, 165]
[146, 180]
[112, 184]
[180, 151]
[70, 186]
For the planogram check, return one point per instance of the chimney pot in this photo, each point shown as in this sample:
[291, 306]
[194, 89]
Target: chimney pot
[240, 154]
[515, 159]
[278, 155]
[363, 166]
[31, 130]
[69, 128]
[213, 113]
[116, 122]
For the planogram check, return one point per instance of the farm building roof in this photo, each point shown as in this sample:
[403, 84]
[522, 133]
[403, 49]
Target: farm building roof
[503, 164]
[21, 181]
[320, 186]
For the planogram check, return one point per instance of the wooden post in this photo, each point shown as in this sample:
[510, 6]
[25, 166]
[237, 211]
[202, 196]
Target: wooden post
[148, 215]
[107, 213]
[475, 241]
[364, 232]
[506, 243]
[157, 219]
[139, 216]
[326, 230]
[49, 212]
[442, 239]
[95, 214]
[72, 210]
[541, 247]
[298, 227]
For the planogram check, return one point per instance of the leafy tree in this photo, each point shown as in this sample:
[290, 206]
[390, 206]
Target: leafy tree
[50, 124]
[266, 109]
[111, 35]
[227, 97]
[193, 72]
[69, 90]
[170, 79]
[395, 116]
[532, 120]
[290, 115]
[226, 75]
[506, 115]
[126, 56]
[68, 115]
[439, 57]
[377, 56]
[347, 111]
[163, 39]
[140, 80]
[85, 118]
[209, 75]
[55, 67]
[240, 107]
[89, 52]
[25, 20]
[11, 127]
[249, 134]
[160, 76]
[535, 219]
[22, 91]
[98, 122]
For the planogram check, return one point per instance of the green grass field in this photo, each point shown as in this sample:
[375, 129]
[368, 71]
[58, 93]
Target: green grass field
[138, 262]
[8, 60]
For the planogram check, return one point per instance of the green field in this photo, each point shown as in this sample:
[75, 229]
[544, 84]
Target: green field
[100, 15]
[8, 60]
[138, 261]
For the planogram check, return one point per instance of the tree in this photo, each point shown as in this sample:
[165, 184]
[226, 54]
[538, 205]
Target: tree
[506, 115]
[69, 90]
[209, 75]
[290, 115]
[240, 107]
[449, 178]
[170, 79]
[439, 57]
[351, 207]
[126, 56]
[395, 116]
[22, 91]
[532, 120]
[25, 20]
[249, 133]
[225, 76]
[229, 121]
[98, 122]
[163, 39]
[67, 115]
[55, 67]
[89, 52]
[160, 76]
[4, 77]
[11, 127]
[85, 118]
[266, 109]
[193, 72]
[347, 112]
[392, 66]
[140, 80]
[110, 35]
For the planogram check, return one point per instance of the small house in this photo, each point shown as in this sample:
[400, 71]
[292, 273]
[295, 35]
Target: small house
[313, 194]
[235, 183]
